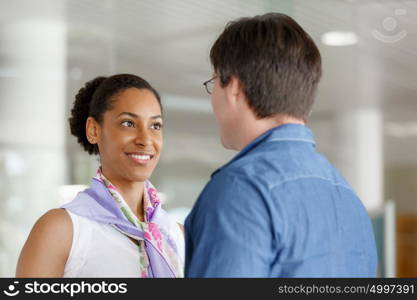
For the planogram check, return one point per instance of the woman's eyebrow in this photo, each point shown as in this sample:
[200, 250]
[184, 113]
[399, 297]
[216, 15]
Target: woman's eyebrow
[133, 115]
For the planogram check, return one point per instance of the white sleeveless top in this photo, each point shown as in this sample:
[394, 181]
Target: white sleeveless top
[100, 250]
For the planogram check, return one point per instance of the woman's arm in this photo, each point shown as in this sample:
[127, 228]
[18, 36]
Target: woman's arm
[46, 250]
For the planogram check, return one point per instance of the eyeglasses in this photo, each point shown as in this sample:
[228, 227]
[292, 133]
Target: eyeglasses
[209, 84]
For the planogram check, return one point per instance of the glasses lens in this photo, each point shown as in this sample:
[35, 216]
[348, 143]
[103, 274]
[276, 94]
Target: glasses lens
[210, 87]
[207, 87]
[209, 84]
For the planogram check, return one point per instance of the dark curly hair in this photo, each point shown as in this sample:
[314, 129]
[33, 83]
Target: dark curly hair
[96, 97]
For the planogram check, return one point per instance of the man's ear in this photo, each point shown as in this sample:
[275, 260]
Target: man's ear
[234, 91]
[92, 130]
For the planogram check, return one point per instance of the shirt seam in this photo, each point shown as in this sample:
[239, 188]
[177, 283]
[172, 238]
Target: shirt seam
[233, 172]
[291, 140]
[311, 177]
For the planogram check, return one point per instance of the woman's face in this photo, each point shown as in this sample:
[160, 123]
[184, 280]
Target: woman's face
[130, 139]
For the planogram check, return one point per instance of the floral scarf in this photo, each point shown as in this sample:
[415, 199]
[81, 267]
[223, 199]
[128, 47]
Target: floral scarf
[159, 256]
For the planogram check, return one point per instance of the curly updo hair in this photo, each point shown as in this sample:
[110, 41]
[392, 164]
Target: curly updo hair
[96, 97]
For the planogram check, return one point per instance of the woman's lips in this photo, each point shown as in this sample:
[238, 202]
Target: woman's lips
[141, 159]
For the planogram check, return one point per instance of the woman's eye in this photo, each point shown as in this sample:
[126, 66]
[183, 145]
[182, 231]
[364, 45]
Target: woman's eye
[127, 124]
[157, 126]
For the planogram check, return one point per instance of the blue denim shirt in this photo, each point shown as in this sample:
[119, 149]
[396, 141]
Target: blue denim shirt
[279, 209]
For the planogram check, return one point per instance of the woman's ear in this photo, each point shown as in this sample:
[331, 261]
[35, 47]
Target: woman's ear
[92, 129]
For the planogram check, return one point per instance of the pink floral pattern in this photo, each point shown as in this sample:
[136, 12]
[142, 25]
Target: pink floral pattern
[151, 230]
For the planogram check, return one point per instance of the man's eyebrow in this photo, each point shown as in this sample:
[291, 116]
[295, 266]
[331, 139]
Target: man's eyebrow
[133, 115]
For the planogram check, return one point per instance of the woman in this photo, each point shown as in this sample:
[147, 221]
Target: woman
[117, 227]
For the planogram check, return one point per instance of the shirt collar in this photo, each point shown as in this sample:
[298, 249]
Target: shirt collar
[285, 132]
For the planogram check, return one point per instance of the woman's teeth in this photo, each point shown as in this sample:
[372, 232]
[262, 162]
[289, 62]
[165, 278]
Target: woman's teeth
[140, 157]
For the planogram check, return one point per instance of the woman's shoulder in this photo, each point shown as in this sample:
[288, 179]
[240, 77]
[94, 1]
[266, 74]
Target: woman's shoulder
[54, 221]
[52, 228]
[47, 247]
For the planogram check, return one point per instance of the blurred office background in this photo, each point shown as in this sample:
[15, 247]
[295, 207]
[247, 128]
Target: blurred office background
[365, 117]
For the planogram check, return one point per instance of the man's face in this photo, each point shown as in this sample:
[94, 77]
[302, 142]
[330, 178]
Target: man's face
[224, 115]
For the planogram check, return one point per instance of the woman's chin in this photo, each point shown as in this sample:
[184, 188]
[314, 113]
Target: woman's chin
[136, 173]
[139, 177]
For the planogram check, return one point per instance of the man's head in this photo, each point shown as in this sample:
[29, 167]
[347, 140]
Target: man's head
[273, 62]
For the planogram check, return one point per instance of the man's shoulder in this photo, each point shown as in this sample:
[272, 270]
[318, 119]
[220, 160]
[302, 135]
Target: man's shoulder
[264, 167]
[228, 185]
[231, 177]
[270, 167]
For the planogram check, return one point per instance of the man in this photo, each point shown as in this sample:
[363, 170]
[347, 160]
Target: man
[278, 209]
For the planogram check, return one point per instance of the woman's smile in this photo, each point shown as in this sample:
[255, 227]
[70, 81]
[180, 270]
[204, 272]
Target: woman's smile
[141, 158]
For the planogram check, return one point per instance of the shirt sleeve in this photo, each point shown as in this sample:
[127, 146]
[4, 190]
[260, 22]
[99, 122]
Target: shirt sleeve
[228, 232]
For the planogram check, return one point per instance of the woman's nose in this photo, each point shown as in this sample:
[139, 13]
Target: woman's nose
[143, 137]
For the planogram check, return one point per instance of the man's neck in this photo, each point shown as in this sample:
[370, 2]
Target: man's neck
[256, 127]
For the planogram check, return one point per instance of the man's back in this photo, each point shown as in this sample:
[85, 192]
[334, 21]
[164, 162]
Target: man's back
[279, 209]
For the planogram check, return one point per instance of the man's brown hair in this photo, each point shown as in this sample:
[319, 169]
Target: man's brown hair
[276, 61]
